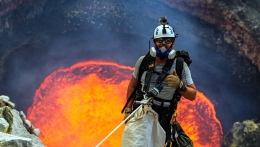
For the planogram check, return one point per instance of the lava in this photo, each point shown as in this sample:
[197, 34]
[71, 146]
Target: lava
[80, 105]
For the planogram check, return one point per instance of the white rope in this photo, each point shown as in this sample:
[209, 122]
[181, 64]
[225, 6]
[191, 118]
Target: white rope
[119, 126]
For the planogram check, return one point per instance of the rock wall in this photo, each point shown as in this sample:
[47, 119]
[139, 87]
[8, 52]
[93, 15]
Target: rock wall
[238, 20]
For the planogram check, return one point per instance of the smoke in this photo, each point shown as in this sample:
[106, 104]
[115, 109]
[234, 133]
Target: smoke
[118, 31]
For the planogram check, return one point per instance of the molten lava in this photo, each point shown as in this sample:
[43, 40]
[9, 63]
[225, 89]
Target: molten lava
[80, 105]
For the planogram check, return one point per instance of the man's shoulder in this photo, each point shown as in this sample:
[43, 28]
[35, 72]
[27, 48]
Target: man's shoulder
[141, 58]
[139, 61]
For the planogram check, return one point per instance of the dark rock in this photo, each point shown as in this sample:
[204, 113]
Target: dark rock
[243, 134]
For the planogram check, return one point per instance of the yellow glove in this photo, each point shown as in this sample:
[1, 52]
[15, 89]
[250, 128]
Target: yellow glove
[127, 112]
[173, 80]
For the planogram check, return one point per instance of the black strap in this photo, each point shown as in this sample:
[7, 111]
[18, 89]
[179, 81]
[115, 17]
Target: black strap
[179, 66]
[177, 95]
[166, 68]
[148, 76]
[143, 67]
[147, 60]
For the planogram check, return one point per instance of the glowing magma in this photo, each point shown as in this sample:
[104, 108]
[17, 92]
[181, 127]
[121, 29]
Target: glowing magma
[80, 105]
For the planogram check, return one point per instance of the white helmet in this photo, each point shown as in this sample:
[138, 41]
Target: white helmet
[164, 31]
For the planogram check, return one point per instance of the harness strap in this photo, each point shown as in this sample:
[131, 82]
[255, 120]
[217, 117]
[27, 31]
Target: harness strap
[148, 76]
[161, 77]
[177, 95]
[179, 66]
[142, 68]
[161, 103]
[167, 66]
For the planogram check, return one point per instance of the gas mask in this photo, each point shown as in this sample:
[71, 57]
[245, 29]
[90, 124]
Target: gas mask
[162, 52]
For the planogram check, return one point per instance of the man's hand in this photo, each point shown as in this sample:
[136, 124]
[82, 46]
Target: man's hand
[173, 80]
[127, 112]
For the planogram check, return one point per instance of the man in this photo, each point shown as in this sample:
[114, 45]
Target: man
[164, 40]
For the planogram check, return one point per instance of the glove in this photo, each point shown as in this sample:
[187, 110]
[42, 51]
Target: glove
[173, 80]
[127, 112]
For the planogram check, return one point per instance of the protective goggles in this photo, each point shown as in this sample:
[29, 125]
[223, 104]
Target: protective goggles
[165, 39]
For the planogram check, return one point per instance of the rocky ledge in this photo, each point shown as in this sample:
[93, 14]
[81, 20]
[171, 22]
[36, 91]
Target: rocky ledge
[15, 129]
[244, 134]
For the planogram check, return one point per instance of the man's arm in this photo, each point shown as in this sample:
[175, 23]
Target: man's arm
[131, 87]
[190, 93]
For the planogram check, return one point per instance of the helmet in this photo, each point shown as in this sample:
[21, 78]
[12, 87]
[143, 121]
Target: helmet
[164, 31]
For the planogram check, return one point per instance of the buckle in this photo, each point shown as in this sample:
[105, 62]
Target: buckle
[161, 103]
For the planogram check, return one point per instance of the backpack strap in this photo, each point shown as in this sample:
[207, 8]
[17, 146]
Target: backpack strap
[177, 95]
[143, 67]
[179, 66]
[148, 76]
[166, 68]
[147, 62]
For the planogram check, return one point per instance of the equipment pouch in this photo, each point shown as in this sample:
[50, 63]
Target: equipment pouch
[179, 137]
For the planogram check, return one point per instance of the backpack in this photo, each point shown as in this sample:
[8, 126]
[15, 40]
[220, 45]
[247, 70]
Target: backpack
[182, 56]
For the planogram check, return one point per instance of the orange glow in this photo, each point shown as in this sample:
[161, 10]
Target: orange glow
[80, 105]
[199, 121]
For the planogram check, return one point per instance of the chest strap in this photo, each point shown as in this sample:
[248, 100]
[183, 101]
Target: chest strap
[166, 68]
